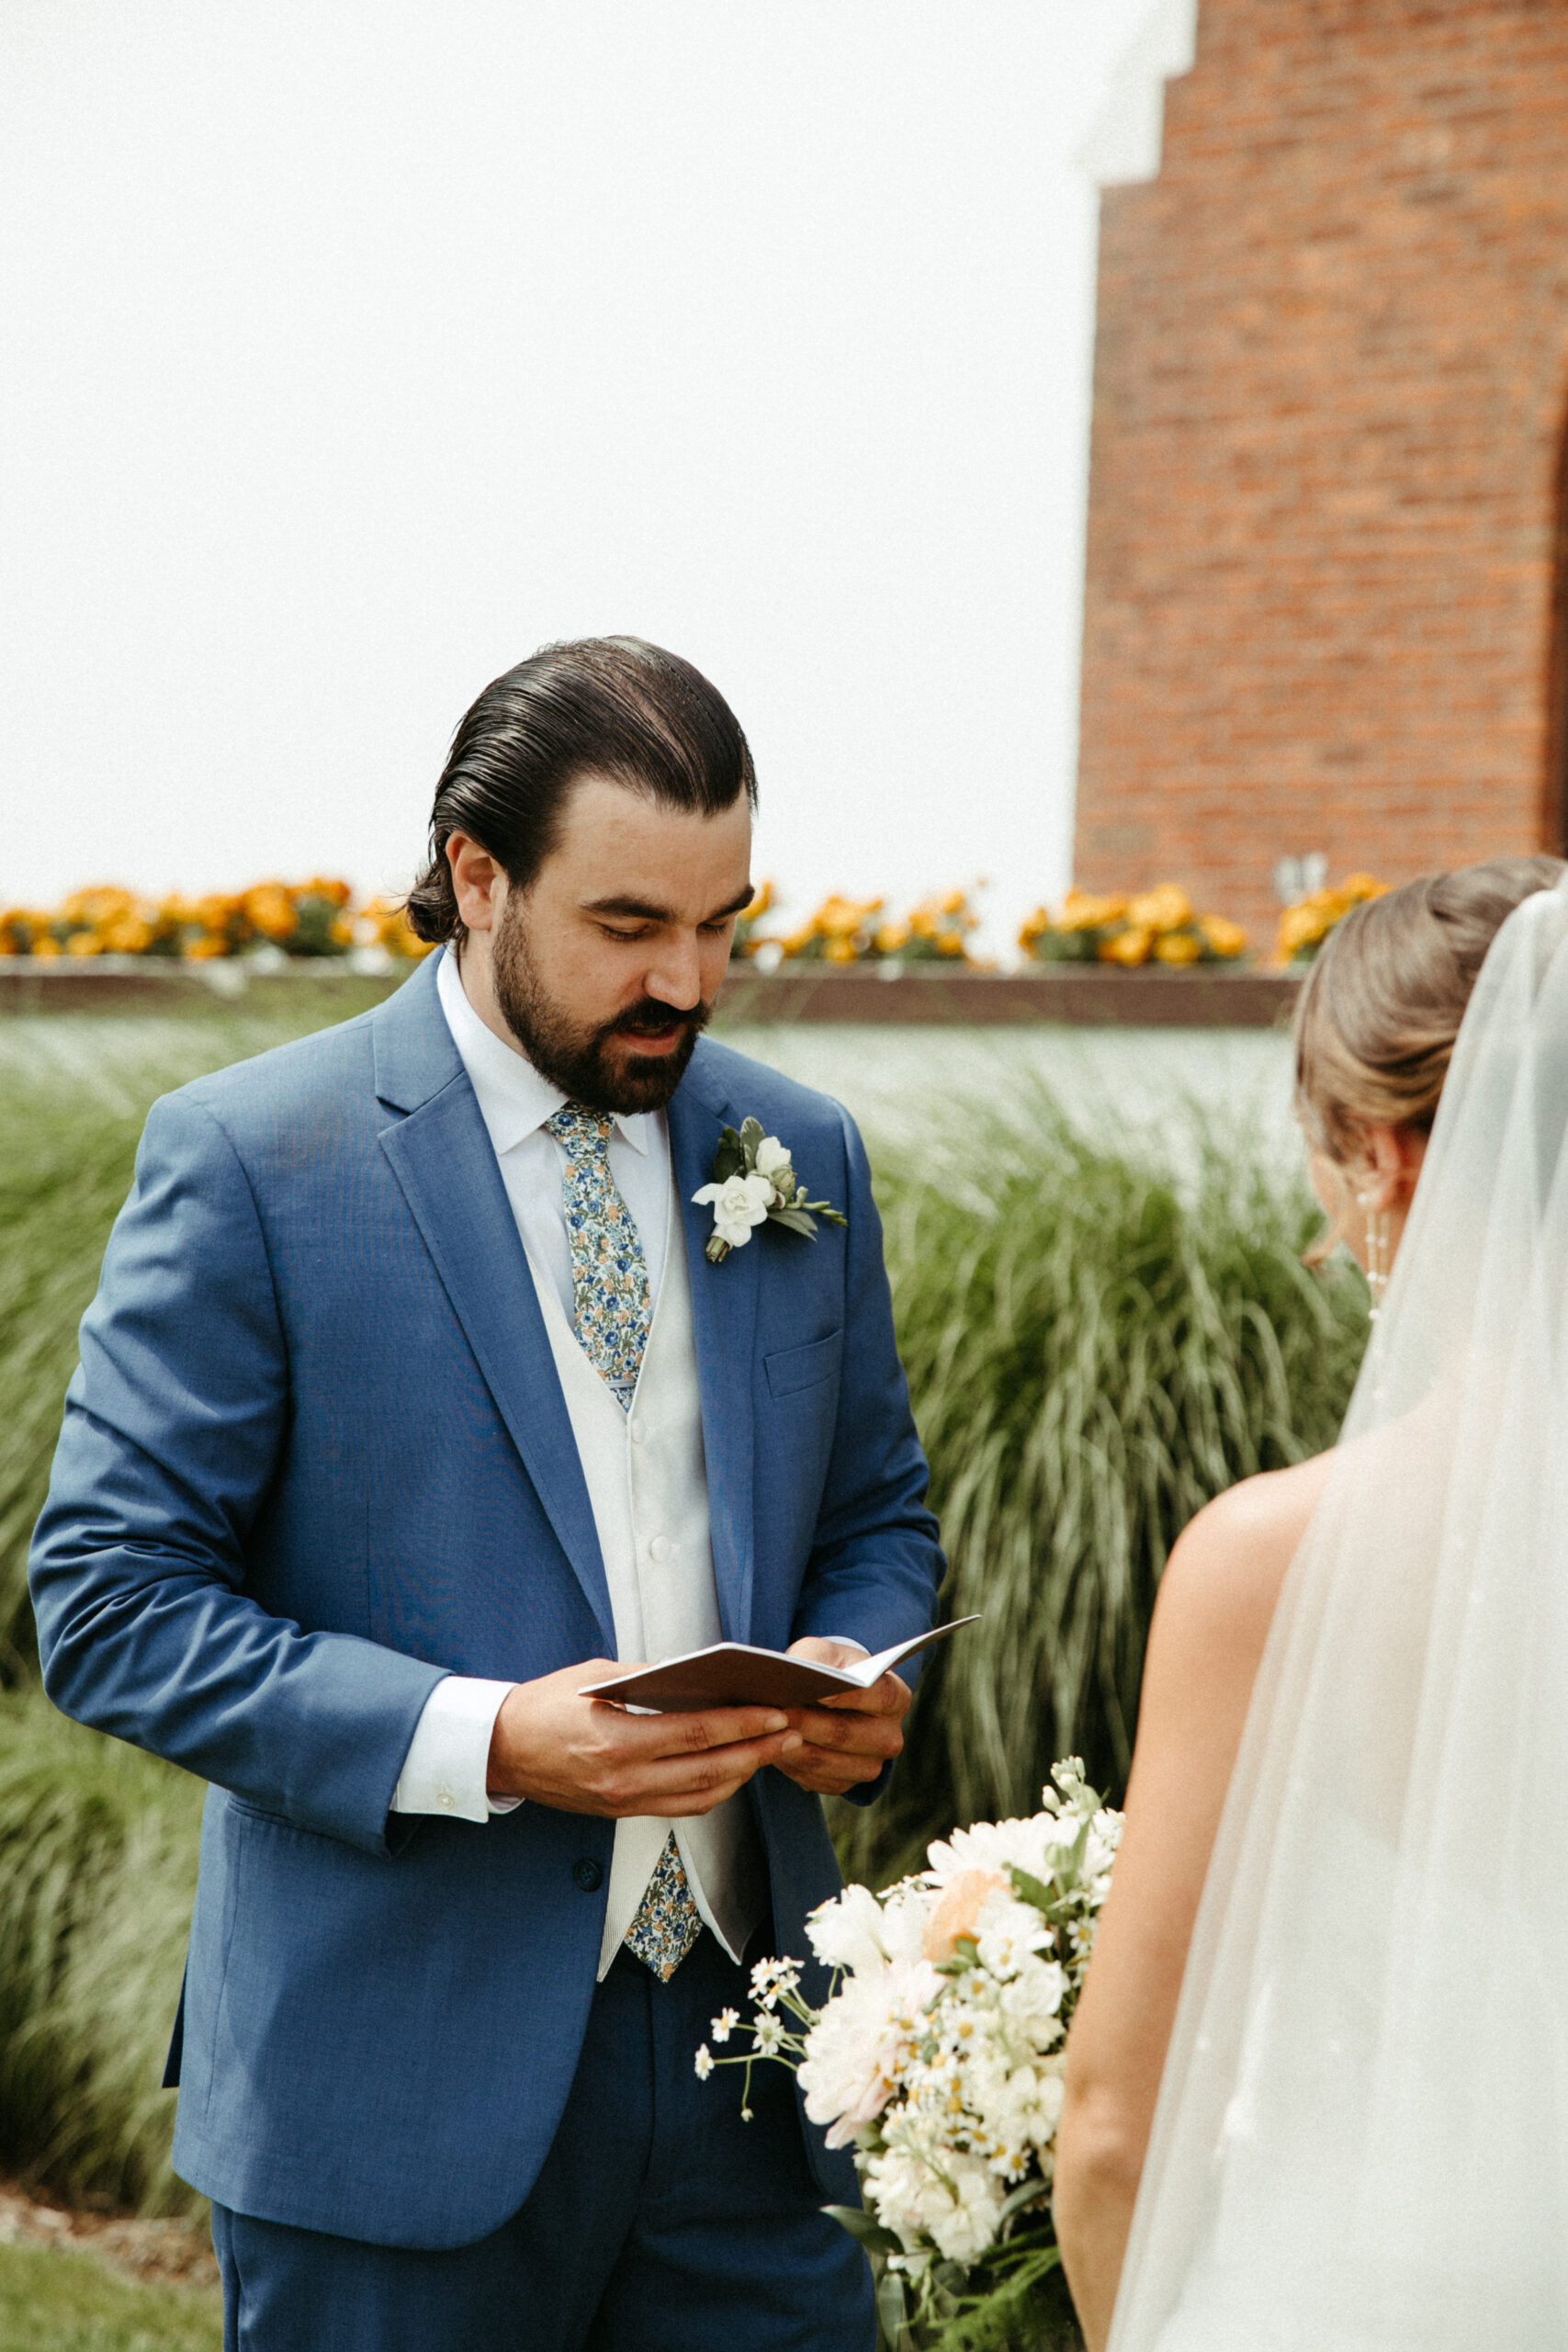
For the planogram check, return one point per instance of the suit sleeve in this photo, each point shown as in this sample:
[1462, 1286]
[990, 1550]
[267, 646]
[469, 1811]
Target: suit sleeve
[875, 1563]
[174, 1422]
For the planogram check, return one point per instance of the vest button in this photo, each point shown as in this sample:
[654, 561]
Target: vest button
[660, 1548]
[637, 1433]
[589, 1874]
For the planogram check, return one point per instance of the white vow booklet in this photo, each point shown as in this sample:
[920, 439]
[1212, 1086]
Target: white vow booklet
[733, 1674]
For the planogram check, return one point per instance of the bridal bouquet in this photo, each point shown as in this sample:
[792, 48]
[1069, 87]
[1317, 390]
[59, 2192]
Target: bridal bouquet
[938, 2055]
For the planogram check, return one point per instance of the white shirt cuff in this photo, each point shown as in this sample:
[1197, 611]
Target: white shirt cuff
[444, 1771]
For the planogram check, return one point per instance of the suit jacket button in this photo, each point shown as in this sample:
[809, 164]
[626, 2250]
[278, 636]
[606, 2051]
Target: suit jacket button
[589, 1874]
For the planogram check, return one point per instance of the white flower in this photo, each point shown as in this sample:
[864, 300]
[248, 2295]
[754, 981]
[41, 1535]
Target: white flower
[773, 1978]
[855, 2051]
[1010, 1934]
[962, 2219]
[847, 1932]
[992, 1846]
[773, 1157]
[767, 2035]
[725, 2024]
[705, 2063]
[738, 1204]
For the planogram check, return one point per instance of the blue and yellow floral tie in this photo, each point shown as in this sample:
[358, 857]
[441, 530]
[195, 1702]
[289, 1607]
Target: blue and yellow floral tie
[609, 1289]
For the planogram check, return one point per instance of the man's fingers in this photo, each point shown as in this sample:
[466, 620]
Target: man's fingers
[888, 1696]
[829, 1776]
[853, 1734]
[673, 1785]
[691, 1734]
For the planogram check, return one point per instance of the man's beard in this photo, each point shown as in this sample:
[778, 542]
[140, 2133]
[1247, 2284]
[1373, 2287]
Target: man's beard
[576, 1058]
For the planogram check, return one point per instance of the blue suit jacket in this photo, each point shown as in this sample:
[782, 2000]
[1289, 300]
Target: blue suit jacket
[316, 1456]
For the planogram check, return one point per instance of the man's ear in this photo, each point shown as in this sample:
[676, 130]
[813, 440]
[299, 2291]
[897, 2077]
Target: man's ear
[477, 883]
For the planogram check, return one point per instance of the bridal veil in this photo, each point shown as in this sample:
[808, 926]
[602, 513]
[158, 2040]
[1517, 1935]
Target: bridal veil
[1361, 2141]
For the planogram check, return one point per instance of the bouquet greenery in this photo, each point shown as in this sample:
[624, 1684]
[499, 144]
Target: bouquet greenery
[938, 2056]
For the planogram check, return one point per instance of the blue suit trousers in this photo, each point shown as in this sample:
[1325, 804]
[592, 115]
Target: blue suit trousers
[660, 2222]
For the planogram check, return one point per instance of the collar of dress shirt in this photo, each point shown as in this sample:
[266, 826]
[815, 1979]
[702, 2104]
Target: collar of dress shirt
[513, 1098]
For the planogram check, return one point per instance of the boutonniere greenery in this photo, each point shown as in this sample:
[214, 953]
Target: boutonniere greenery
[754, 1184]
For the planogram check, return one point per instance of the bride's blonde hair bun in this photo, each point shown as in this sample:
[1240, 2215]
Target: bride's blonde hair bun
[1377, 1018]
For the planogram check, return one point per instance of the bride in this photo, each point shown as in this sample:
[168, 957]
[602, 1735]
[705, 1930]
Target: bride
[1317, 2085]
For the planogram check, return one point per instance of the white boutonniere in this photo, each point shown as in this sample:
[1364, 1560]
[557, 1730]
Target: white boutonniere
[754, 1184]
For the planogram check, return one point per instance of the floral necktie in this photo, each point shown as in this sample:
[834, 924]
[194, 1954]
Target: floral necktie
[609, 1289]
[609, 1274]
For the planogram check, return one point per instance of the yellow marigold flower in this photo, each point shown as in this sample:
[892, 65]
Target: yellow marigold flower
[96, 906]
[270, 909]
[1167, 908]
[45, 947]
[337, 893]
[83, 942]
[889, 937]
[126, 934]
[838, 918]
[1359, 886]
[213, 913]
[1130, 946]
[342, 929]
[203, 949]
[1034, 928]
[760, 904]
[1178, 947]
[1081, 910]
[840, 951]
[1223, 937]
[1302, 927]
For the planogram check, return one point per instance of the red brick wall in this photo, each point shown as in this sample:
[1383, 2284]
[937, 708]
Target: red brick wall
[1324, 599]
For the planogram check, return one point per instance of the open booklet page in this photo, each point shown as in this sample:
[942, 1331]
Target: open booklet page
[733, 1674]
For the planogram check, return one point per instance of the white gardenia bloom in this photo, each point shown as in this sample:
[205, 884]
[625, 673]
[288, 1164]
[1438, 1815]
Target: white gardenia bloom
[773, 1157]
[738, 1204]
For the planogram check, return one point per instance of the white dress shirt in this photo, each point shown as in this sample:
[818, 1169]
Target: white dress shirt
[444, 1771]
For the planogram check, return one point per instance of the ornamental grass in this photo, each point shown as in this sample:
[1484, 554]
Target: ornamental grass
[1098, 1341]
[1095, 1346]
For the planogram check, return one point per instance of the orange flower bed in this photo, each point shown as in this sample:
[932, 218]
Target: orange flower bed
[318, 918]
[1156, 926]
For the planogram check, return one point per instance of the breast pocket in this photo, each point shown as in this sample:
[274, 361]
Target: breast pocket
[790, 1370]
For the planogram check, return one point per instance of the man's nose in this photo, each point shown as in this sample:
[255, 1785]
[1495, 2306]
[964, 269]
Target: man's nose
[676, 978]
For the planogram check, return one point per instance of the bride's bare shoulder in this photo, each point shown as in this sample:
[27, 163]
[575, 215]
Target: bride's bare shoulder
[1224, 1573]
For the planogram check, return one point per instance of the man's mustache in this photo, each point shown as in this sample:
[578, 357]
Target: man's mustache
[651, 1018]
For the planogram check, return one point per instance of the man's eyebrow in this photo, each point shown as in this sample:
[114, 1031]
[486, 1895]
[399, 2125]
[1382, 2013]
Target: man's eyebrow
[647, 911]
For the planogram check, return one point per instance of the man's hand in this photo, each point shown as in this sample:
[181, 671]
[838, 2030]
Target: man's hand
[850, 1736]
[589, 1755]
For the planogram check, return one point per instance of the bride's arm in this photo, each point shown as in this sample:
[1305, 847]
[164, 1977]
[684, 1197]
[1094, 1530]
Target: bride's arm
[1209, 1624]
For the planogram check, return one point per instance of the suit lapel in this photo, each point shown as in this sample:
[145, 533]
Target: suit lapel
[441, 1155]
[724, 1327]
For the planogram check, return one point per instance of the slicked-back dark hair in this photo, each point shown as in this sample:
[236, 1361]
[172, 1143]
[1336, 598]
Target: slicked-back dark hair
[606, 706]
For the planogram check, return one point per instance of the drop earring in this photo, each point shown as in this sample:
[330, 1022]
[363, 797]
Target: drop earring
[1377, 1251]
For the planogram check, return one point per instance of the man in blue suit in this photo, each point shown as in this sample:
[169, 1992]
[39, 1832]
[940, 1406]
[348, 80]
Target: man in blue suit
[410, 1399]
